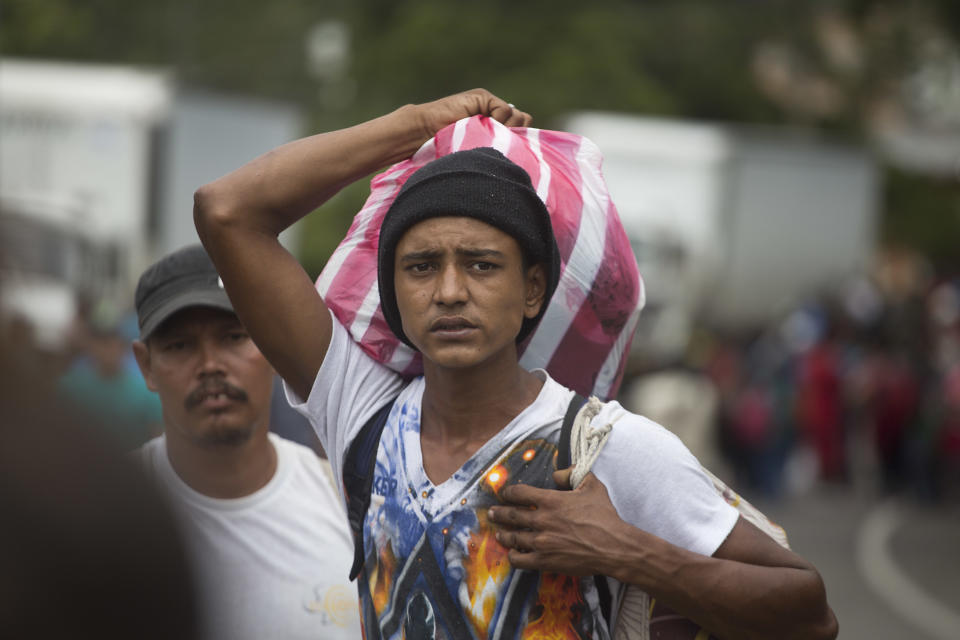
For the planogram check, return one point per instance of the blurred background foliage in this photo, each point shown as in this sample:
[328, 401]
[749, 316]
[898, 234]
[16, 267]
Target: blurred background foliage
[833, 65]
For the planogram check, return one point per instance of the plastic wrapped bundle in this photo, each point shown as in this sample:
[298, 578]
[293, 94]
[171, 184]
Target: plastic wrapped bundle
[585, 334]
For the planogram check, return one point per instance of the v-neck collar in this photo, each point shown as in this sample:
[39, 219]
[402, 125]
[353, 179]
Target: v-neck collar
[435, 499]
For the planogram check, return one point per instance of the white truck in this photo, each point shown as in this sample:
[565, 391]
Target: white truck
[98, 164]
[732, 225]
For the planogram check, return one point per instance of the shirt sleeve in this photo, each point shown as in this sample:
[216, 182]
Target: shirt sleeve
[657, 485]
[349, 388]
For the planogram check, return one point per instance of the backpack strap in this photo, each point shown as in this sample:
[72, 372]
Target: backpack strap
[358, 467]
[603, 594]
[563, 444]
[564, 461]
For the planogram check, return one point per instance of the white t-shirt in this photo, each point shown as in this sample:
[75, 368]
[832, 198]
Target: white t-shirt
[653, 481]
[275, 563]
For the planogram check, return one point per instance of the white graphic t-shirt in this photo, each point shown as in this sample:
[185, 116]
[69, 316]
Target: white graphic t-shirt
[432, 566]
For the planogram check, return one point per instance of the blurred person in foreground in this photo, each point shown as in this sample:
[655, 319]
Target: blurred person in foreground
[260, 514]
[88, 546]
[455, 545]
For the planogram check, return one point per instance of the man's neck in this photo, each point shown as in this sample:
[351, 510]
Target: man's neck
[475, 403]
[463, 409]
[226, 471]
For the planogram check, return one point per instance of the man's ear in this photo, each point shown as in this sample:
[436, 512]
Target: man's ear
[142, 353]
[536, 290]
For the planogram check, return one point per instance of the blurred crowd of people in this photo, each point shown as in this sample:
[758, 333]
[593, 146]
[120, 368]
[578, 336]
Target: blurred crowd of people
[100, 376]
[861, 381]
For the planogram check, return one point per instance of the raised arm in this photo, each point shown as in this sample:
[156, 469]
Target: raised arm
[750, 588]
[239, 217]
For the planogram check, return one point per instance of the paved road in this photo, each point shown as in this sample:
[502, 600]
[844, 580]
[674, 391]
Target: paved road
[892, 567]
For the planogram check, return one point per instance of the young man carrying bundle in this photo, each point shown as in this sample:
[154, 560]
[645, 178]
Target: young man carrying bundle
[457, 544]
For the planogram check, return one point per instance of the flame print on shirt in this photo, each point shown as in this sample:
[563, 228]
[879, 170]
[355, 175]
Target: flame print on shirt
[430, 550]
[496, 478]
[485, 570]
[381, 578]
[561, 608]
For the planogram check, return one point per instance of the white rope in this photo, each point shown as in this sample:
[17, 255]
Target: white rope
[587, 441]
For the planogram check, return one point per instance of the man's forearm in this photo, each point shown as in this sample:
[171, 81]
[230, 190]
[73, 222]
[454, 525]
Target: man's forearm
[733, 599]
[273, 191]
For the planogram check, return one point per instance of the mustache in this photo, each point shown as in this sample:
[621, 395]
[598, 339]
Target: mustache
[212, 387]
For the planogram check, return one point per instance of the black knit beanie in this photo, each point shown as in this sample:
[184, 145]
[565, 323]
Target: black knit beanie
[478, 183]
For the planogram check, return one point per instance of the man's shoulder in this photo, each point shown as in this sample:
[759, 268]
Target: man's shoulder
[349, 387]
[293, 453]
[637, 440]
[618, 417]
[304, 460]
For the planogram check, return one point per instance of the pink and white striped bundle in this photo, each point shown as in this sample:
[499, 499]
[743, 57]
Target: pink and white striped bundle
[585, 334]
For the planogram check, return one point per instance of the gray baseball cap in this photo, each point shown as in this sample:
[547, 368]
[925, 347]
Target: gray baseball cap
[182, 279]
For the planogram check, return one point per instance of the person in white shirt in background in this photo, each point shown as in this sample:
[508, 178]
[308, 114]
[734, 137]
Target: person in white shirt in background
[261, 516]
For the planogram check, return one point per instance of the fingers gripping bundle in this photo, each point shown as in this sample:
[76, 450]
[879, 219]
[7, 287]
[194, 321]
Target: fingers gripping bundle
[585, 333]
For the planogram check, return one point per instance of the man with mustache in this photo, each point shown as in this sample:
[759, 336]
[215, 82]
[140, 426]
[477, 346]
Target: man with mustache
[456, 542]
[260, 514]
